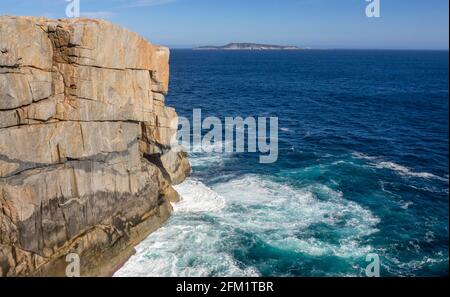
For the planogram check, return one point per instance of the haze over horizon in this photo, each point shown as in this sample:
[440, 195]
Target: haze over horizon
[318, 24]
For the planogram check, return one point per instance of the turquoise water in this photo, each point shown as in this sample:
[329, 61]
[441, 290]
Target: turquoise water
[362, 168]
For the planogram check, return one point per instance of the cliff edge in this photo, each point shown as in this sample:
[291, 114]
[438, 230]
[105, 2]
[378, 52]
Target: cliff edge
[86, 165]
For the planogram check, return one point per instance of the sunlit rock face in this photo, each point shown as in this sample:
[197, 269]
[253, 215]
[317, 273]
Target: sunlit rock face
[86, 164]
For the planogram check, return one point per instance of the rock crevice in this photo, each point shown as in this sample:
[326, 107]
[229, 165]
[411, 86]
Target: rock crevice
[81, 110]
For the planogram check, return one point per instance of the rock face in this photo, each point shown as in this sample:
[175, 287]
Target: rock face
[86, 165]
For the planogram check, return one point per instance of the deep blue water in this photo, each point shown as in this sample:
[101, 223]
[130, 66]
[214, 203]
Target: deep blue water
[363, 167]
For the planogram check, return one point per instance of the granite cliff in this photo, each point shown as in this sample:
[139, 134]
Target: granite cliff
[86, 164]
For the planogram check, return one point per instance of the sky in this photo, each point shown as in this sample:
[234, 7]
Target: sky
[318, 24]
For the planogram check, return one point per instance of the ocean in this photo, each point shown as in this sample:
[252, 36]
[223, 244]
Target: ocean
[363, 167]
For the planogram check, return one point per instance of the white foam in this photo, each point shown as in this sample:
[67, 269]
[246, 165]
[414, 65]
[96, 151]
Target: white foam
[209, 154]
[400, 169]
[206, 160]
[187, 246]
[405, 204]
[406, 171]
[279, 212]
[196, 197]
[189, 249]
[363, 156]
[409, 268]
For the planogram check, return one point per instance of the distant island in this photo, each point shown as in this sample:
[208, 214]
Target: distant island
[248, 46]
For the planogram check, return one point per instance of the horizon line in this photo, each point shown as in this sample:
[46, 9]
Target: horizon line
[314, 49]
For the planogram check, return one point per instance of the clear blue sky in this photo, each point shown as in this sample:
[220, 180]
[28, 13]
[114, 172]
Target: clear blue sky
[404, 24]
